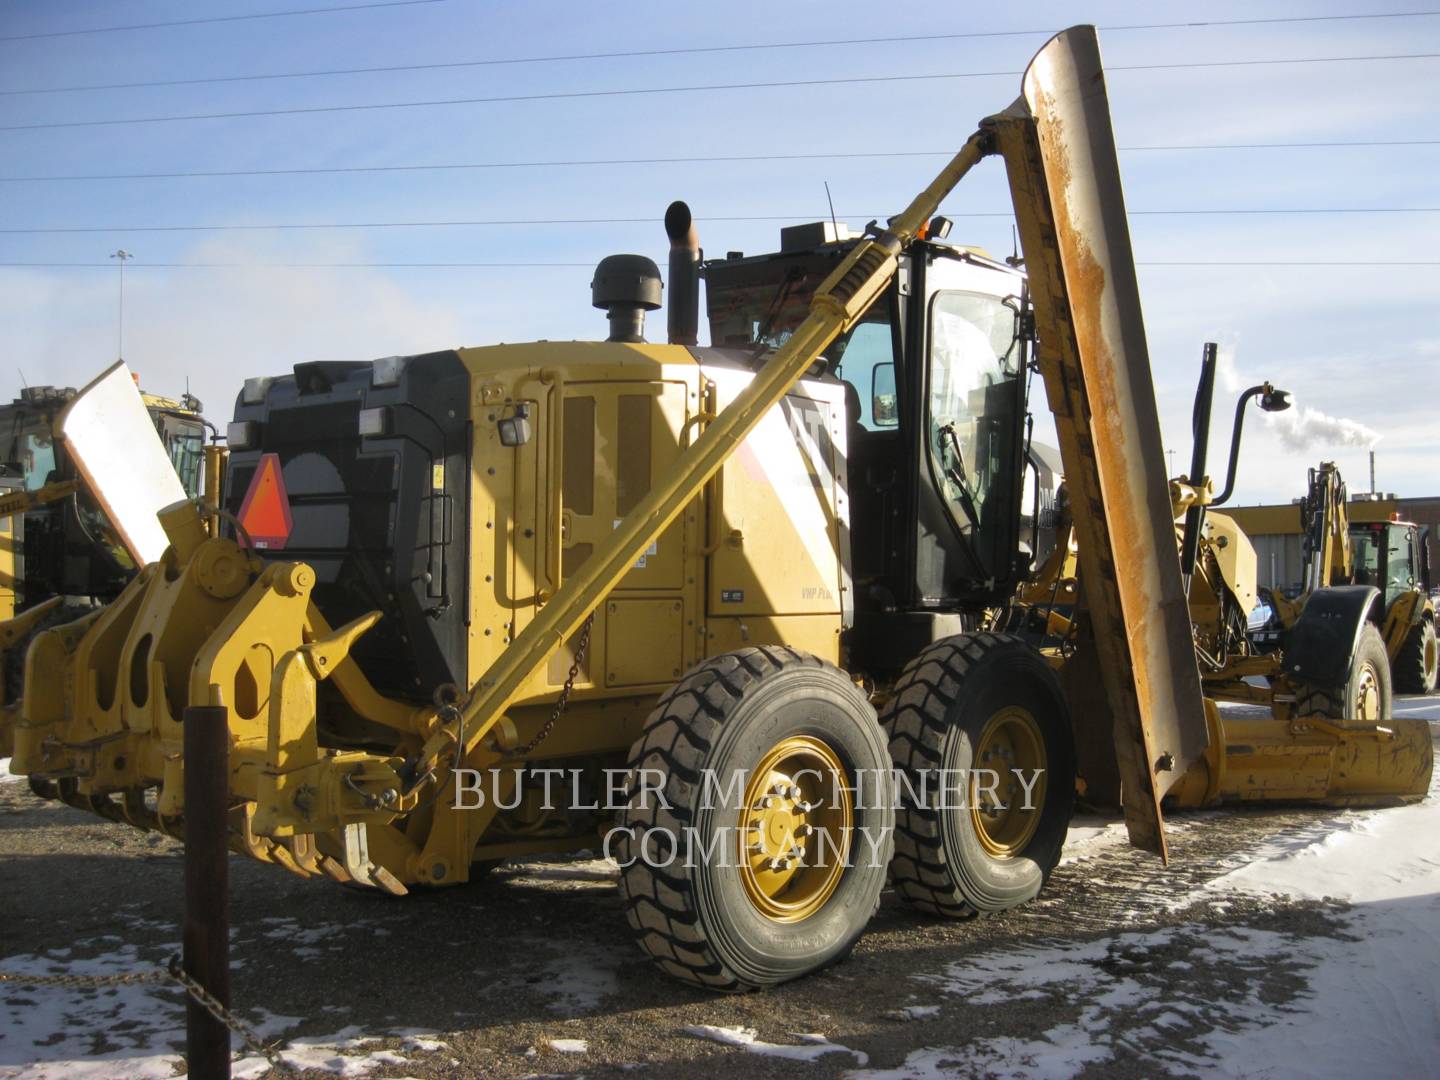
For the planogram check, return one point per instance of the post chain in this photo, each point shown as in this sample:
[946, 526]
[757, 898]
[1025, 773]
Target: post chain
[172, 972]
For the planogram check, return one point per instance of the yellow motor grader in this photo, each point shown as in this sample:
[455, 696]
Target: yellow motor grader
[711, 610]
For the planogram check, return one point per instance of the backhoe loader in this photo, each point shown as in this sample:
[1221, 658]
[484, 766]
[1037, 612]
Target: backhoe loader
[724, 598]
[1324, 676]
[1389, 555]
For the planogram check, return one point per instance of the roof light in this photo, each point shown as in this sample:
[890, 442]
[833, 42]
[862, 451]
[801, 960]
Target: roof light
[255, 390]
[387, 370]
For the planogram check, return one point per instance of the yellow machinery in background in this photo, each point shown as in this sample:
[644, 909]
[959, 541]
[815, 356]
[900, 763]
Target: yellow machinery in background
[1389, 554]
[60, 554]
[1327, 733]
[709, 609]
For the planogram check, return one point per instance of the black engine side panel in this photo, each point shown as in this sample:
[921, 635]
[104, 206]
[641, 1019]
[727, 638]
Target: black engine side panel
[381, 518]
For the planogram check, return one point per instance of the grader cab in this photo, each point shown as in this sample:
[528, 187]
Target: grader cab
[709, 610]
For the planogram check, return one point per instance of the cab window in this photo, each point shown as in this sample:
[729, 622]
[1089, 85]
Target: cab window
[973, 403]
[867, 363]
[37, 459]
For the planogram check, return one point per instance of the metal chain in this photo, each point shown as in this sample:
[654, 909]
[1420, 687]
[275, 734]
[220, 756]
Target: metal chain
[172, 972]
[215, 1008]
[86, 982]
[564, 699]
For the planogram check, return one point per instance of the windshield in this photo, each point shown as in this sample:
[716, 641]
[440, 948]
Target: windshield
[974, 403]
[1365, 551]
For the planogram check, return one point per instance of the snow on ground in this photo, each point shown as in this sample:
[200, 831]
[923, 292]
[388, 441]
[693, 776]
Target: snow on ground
[1361, 999]
[136, 1031]
[568, 1046]
[50, 1033]
[810, 1047]
[1091, 834]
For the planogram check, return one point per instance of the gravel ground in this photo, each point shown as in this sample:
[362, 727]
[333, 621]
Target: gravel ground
[538, 951]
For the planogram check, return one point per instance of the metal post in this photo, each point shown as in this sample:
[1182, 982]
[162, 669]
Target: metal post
[122, 255]
[207, 886]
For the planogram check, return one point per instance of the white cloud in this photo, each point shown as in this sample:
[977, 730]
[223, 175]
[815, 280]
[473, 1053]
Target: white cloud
[215, 328]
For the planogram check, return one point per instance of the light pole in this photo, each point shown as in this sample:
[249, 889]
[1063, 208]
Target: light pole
[122, 255]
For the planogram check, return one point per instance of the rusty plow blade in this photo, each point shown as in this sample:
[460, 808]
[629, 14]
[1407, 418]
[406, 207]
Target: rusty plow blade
[1060, 158]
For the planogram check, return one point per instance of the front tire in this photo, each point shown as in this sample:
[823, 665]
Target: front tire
[1365, 694]
[771, 867]
[968, 704]
[1418, 662]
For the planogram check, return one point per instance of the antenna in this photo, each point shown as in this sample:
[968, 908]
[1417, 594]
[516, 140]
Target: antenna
[1014, 258]
[831, 201]
[22, 377]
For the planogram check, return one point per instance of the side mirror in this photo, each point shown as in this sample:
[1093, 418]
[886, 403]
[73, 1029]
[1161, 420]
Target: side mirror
[884, 402]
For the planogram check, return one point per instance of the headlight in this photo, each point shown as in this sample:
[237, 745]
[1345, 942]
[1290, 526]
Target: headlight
[374, 421]
[242, 434]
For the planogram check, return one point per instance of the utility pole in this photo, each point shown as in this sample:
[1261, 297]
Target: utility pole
[122, 255]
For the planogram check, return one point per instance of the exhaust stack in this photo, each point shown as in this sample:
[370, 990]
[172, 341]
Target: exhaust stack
[683, 316]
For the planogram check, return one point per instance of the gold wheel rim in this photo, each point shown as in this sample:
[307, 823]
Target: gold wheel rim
[1432, 655]
[1367, 694]
[1005, 819]
[795, 829]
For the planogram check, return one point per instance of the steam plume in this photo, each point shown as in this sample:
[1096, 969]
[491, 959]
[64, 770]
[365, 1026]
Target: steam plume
[1301, 427]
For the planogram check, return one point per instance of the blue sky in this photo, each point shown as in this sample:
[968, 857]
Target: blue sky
[1350, 341]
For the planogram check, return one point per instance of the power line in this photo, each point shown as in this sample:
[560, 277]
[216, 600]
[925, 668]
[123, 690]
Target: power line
[637, 91]
[297, 226]
[309, 266]
[1331, 264]
[216, 19]
[693, 50]
[692, 160]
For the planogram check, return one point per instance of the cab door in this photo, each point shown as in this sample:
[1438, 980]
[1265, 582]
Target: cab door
[968, 384]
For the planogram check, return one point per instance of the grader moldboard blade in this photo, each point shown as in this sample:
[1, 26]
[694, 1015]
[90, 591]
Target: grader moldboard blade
[112, 440]
[1059, 152]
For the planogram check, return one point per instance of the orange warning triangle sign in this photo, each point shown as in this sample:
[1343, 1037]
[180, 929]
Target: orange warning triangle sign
[265, 513]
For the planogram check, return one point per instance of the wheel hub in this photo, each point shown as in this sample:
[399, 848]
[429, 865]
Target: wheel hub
[795, 829]
[1004, 819]
[1367, 694]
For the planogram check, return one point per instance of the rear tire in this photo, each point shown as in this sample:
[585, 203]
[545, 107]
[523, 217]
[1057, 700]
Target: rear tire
[974, 702]
[724, 918]
[1417, 663]
[1365, 694]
